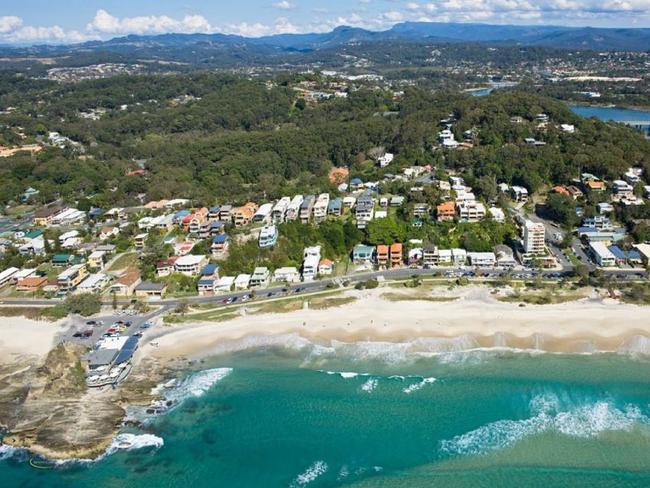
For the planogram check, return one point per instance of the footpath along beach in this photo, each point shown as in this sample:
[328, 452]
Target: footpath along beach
[473, 319]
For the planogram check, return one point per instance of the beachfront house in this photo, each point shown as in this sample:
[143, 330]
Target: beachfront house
[289, 274]
[363, 254]
[260, 278]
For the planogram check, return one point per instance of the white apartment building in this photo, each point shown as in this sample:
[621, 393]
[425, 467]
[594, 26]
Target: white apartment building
[311, 257]
[190, 264]
[293, 210]
[288, 274]
[603, 256]
[534, 236]
[320, 207]
[470, 211]
[280, 210]
[268, 236]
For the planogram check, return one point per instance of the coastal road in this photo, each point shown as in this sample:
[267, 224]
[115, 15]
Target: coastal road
[319, 285]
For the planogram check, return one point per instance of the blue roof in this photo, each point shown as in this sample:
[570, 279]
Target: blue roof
[215, 209]
[356, 181]
[206, 282]
[127, 350]
[337, 202]
[181, 213]
[220, 239]
[95, 211]
[216, 224]
[618, 252]
[621, 254]
[209, 269]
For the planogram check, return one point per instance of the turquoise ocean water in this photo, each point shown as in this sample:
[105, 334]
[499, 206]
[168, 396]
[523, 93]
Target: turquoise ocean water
[378, 415]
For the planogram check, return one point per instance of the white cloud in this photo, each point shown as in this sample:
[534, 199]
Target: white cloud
[9, 23]
[283, 5]
[105, 23]
[281, 25]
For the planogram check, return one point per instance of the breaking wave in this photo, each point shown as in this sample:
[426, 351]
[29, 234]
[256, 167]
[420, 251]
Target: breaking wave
[8, 452]
[370, 385]
[588, 420]
[461, 349]
[196, 384]
[129, 442]
[419, 385]
[346, 375]
[310, 474]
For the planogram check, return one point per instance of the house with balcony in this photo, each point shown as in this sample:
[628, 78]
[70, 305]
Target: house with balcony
[396, 255]
[96, 260]
[268, 236]
[293, 210]
[325, 267]
[519, 194]
[446, 211]
[225, 213]
[321, 206]
[335, 207]
[470, 211]
[68, 280]
[364, 209]
[190, 264]
[383, 255]
[260, 278]
[287, 274]
[220, 244]
[306, 208]
[165, 267]
[311, 259]
[621, 190]
[363, 254]
[279, 211]
[263, 214]
[244, 215]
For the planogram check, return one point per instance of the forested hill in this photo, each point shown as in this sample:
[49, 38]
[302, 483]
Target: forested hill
[212, 137]
[227, 49]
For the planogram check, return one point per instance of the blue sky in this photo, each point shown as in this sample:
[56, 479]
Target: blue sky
[37, 21]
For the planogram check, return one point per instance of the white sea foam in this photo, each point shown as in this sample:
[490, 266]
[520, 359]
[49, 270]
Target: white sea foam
[370, 385]
[310, 474]
[587, 420]
[346, 375]
[129, 442]
[196, 384]
[419, 385]
[637, 345]
[7, 452]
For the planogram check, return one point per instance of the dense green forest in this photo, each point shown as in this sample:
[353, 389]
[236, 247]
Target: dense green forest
[217, 138]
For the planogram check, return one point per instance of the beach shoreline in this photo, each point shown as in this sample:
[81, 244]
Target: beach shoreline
[458, 320]
[473, 320]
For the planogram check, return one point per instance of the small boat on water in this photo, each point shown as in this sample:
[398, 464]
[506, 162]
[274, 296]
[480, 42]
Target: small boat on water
[40, 464]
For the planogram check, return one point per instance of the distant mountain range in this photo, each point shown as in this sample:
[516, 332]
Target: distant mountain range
[233, 46]
[434, 32]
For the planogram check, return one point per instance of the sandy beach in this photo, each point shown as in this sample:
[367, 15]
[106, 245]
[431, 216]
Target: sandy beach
[21, 337]
[474, 320]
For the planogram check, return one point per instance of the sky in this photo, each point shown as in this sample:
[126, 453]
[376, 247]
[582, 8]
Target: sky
[70, 21]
